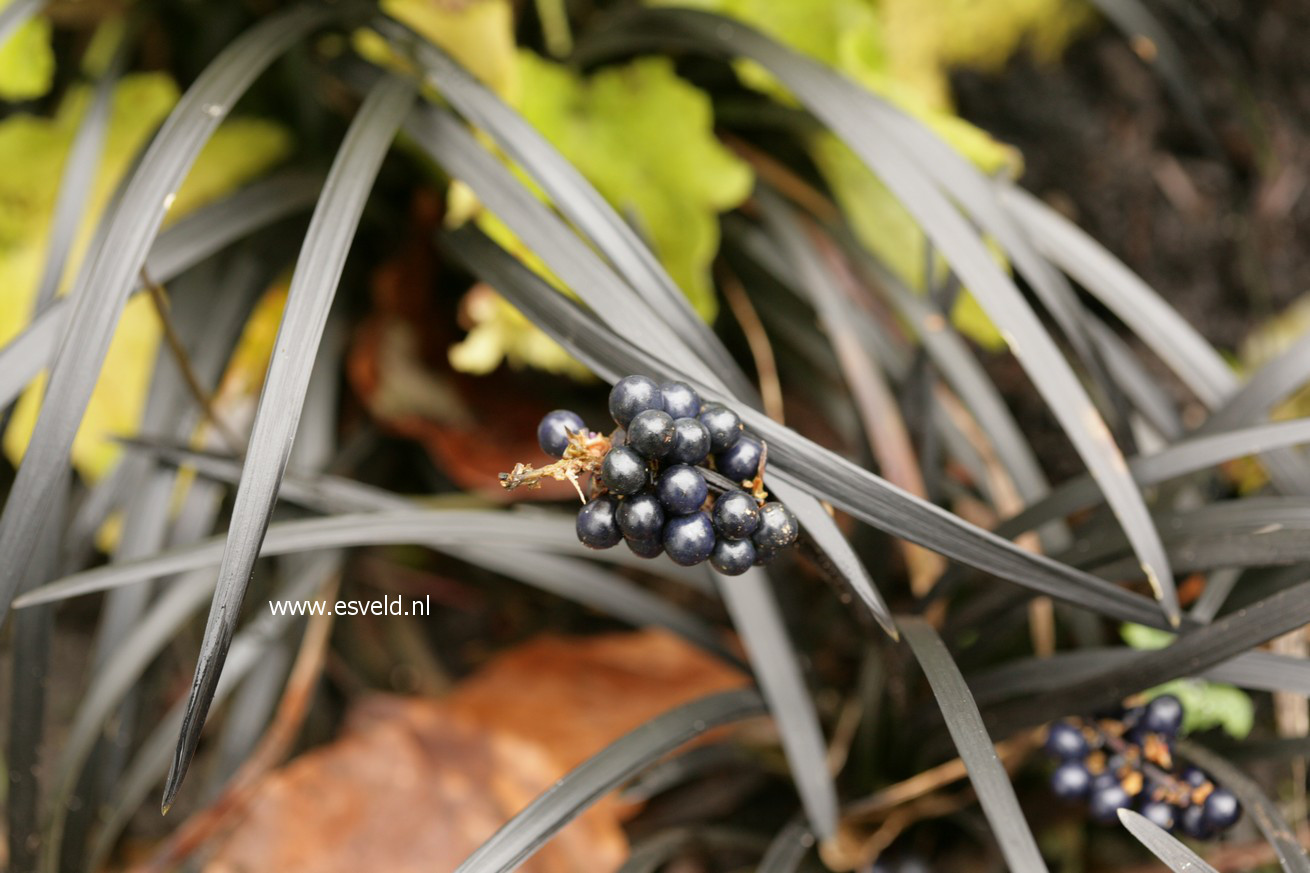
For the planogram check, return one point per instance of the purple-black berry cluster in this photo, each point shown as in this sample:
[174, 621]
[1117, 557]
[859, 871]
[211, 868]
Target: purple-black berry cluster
[1124, 760]
[654, 494]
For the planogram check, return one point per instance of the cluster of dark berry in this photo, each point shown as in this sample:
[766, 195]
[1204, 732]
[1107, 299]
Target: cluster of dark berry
[1124, 759]
[653, 489]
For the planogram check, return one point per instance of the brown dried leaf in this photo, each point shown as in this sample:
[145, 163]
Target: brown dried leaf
[418, 784]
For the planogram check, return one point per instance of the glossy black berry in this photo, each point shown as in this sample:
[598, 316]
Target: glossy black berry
[553, 432]
[733, 557]
[1065, 741]
[741, 462]
[689, 539]
[1192, 823]
[641, 516]
[778, 527]
[1163, 715]
[645, 548]
[1162, 815]
[723, 424]
[1104, 804]
[680, 399]
[624, 471]
[681, 489]
[691, 442]
[1070, 782]
[651, 433]
[598, 526]
[1194, 777]
[631, 395]
[1221, 810]
[1104, 779]
[736, 515]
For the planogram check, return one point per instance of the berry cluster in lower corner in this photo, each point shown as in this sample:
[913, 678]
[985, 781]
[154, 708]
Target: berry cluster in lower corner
[678, 477]
[1125, 760]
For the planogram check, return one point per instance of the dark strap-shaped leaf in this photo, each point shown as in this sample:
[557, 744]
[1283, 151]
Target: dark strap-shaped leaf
[853, 114]
[818, 470]
[526, 832]
[313, 287]
[1174, 854]
[110, 272]
[990, 781]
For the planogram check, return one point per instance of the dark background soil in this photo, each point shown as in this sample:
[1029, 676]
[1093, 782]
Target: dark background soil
[1224, 236]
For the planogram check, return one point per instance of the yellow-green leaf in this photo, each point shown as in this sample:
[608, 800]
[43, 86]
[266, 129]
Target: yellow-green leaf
[27, 62]
[477, 33]
[645, 138]
[33, 149]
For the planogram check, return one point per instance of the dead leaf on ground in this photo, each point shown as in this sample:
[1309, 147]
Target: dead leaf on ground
[417, 785]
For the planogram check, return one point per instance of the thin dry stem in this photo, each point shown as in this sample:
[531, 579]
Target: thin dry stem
[584, 455]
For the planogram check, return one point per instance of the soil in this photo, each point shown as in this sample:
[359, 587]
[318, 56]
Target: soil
[1223, 235]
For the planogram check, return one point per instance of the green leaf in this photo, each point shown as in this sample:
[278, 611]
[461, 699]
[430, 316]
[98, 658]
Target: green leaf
[645, 138]
[27, 62]
[1209, 705]
[1139, 636]
[1206, 705]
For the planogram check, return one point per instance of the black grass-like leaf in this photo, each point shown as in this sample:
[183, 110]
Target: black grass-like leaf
[614, 302]
[110, 272]
[788, 848]
[313, 287]
[855, 116]
[990, 781]
[248, 652]
[756, 616]
[800, 461]
[526, 832]
[1193, 651]
[1174, 854]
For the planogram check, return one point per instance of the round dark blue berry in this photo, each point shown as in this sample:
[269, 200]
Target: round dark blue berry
[736, 515]
[651, 433]
[1065, 741]
[1163, 715]
[1194, 777]
[733, 557]
[598, 526]
[1192, 823]
[680, 399]
[645, 548]
[1104, 779]
[624, 471]
[741, 462]
[1162, 815]
[641, 516]
[631, 395]
[1070, 782]
[682, 489]
[778, 527]
[1104, 804]
[691, 442]
[723, 424]
[553, 432]
[1221, 810]
[689, 539]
